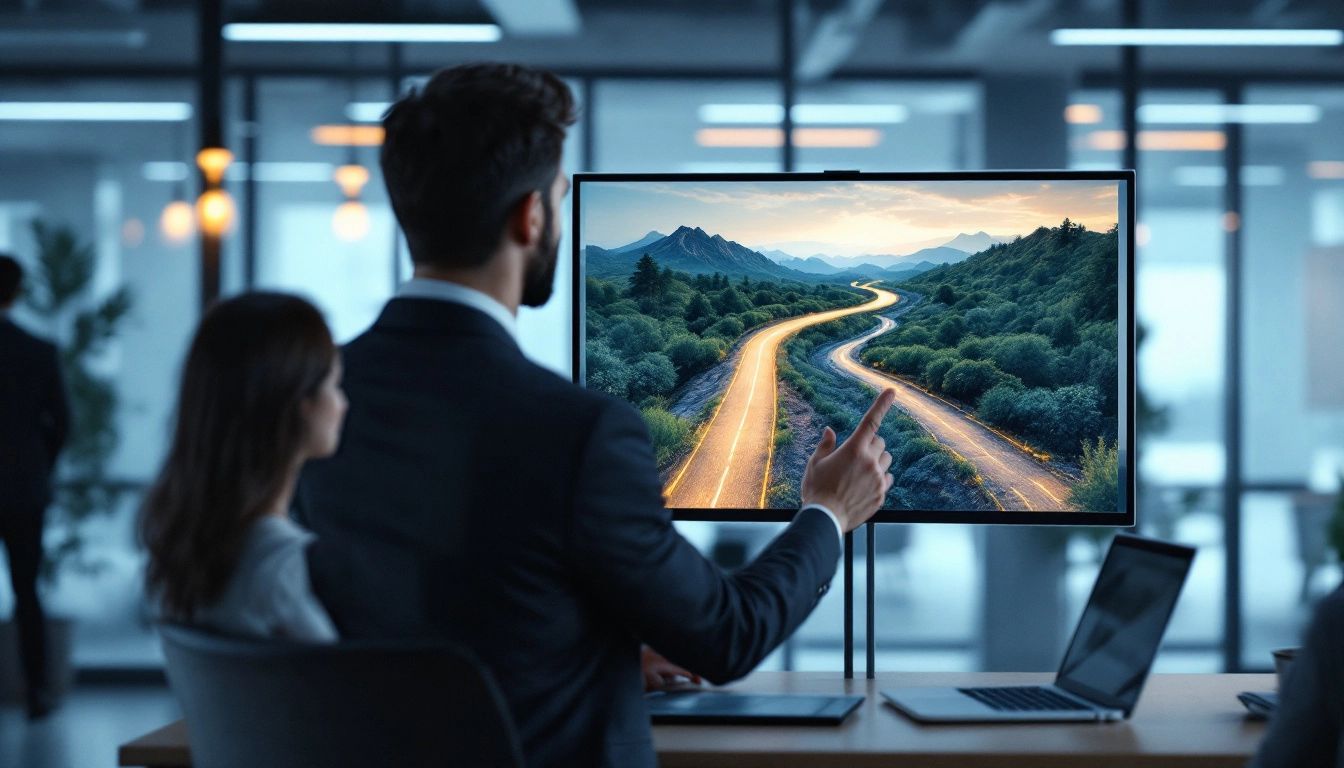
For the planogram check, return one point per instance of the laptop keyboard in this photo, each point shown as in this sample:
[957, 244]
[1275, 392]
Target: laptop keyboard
[1031, 698]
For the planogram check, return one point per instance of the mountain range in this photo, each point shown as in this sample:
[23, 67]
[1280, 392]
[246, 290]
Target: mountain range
[690, 250]
[696, 252]
[951, 252]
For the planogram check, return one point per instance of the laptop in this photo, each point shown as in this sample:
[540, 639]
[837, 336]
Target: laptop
[1107, 662]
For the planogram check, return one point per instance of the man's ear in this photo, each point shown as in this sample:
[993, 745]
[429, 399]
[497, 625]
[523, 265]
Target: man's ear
[528, 220]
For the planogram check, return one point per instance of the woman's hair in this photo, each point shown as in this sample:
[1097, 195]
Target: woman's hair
[239, 429]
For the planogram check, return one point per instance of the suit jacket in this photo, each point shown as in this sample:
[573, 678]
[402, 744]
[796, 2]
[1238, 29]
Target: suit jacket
[34, 418]
[1307, 731]
[480, 498]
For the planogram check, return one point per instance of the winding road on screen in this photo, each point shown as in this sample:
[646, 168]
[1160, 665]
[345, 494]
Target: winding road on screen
[729, 466]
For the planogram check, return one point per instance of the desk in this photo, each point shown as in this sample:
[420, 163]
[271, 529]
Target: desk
[1181, 720]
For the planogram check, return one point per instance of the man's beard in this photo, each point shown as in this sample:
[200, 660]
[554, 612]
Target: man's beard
[539, 274]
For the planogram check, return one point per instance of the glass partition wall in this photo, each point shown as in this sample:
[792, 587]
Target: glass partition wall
[115, 185]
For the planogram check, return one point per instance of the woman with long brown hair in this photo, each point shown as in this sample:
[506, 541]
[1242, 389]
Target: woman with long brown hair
[260, 396]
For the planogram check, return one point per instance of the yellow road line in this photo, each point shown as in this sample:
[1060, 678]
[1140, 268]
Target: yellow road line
[1045, 490]
[1023, 498]
[746, 411]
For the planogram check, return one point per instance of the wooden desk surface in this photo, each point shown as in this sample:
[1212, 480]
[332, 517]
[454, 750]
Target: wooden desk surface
[1181, 720]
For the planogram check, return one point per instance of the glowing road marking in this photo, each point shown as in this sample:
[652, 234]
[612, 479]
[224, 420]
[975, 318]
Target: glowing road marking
[770, 455]
[746, 411]
[1045, 490]
[1024, 499]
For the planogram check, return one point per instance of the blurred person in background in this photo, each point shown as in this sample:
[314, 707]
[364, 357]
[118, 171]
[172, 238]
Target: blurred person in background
[34, 423]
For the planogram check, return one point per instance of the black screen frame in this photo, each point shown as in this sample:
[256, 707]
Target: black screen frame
[1125, 518]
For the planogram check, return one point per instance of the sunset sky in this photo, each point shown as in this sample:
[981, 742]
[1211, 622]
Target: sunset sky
[841, 218]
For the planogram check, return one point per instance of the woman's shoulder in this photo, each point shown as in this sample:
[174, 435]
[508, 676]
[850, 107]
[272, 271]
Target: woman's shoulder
[271, 577]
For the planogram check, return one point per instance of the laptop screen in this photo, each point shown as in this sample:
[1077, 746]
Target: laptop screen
[1123, 623]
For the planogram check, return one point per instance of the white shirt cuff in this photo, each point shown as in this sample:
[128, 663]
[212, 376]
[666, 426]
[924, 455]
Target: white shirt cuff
[839, 530]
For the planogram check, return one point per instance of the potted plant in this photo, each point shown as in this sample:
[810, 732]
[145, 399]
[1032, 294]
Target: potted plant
[60, 291]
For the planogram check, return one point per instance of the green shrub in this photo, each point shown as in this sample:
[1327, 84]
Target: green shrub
[1100, 487]
[969, 379]
[668, 432]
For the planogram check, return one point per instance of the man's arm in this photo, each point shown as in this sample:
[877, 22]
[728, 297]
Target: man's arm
[1305, 732]
[630, 557]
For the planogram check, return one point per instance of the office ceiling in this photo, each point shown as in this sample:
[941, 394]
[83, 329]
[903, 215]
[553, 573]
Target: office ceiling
[950, 36]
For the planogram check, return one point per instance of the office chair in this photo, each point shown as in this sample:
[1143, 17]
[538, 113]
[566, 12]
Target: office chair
[275, 704]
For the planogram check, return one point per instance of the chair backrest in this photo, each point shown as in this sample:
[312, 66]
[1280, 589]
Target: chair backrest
[275, 704]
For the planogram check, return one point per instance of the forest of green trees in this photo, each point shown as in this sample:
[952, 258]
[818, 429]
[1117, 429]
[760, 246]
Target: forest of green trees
[1026, 334]
[648, 334]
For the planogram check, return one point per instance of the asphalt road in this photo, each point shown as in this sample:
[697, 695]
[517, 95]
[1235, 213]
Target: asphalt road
[729, 466]
[1015, 479]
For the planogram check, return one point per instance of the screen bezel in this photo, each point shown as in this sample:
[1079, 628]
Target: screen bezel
[1166, 549]
[1124, 518]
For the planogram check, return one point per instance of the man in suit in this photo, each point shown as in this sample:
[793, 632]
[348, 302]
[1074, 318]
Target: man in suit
[34, 419]
[480, 498]
[1307, 731]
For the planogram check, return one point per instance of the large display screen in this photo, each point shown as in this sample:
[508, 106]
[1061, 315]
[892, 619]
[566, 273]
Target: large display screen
[743, 314]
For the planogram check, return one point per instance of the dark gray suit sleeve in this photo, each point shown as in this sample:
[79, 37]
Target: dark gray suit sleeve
[1305, 732]
[650, 578]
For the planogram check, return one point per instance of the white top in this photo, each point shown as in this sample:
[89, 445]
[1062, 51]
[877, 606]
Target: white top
[269, 595]
[443, 290]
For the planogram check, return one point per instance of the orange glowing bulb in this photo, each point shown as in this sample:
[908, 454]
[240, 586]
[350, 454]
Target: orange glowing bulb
[177, 223]
[351, 179]
[215, 211]
[351, 221]
[213, 161]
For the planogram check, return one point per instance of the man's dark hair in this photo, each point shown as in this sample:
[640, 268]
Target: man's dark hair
[11, 277]
[461, 153]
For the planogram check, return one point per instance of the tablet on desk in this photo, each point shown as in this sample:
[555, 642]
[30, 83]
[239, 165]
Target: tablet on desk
[723, 708]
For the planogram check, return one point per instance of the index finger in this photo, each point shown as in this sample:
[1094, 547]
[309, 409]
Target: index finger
[878, 411]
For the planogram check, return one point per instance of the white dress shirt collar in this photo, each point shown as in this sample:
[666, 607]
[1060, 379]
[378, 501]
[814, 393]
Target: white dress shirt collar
[442, 290]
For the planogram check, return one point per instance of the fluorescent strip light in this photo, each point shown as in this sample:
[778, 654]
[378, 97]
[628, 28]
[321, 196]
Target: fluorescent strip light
[294, 172]
[167, 170]
[1326, 169]
[366, 111]
[1159, 141]
[804, 114]
[1219, 37]
[842, 114]
[1082, 114]
[1213, 114]
[740, 137]
[1216, 175]
[73, 38]
[96, 111]
[741, 113]
[726, 167]
[164, 170]
[802, 137]
[347, 135]
[855, 138]
[362, 33]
